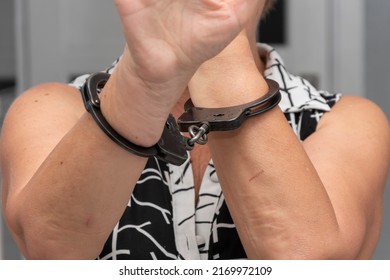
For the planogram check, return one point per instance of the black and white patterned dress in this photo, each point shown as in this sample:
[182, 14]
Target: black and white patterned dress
[161, 220]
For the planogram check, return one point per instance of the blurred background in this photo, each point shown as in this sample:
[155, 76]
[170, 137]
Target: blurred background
[339, 45]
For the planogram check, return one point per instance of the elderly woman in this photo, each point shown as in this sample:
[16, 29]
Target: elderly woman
[301, 180]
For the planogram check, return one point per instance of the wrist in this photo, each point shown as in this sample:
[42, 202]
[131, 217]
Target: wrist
[136, 114]
[165, 149]
[227, 82]
[233, 77]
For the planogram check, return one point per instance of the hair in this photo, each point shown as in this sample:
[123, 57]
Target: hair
[269, 5]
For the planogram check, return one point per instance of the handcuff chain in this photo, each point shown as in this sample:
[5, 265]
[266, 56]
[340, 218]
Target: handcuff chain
[198, 135]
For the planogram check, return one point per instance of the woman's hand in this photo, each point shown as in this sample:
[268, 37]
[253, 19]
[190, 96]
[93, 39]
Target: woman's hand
[167, 40]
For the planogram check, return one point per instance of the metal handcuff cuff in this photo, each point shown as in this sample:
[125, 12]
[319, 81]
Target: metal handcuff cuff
[173, 146]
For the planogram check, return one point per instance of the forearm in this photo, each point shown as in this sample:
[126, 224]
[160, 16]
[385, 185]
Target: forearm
[79, 192]
[278, 202]
[74, 200]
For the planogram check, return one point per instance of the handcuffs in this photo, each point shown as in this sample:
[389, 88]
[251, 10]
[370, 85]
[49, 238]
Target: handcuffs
[198, 122]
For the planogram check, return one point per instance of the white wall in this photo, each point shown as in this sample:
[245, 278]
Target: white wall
[378, 88]
[306, 52]
[7, 65]
[326, 39]
[7, 44]
[61, 38]
[349, 48]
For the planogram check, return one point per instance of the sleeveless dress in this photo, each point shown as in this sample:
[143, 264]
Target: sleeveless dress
[161, 220]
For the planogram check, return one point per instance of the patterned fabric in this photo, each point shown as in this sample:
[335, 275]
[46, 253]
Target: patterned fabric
[161, 220]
